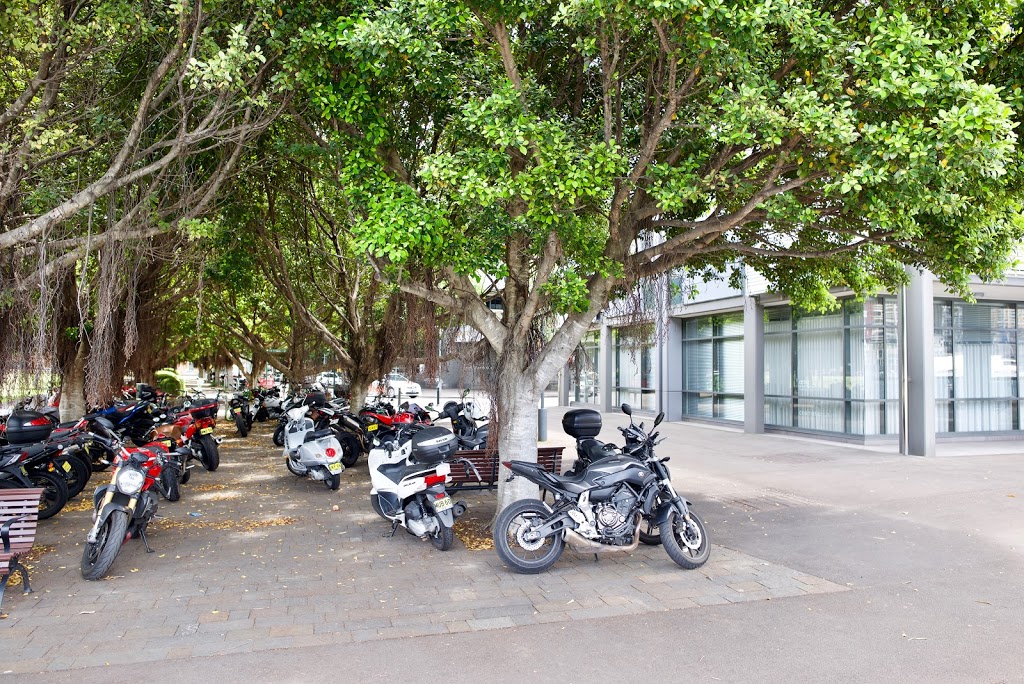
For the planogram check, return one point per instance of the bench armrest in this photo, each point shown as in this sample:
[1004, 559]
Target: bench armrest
[5, 530]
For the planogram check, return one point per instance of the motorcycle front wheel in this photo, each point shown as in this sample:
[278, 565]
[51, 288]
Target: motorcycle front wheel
[169, 480]
[243, 428]
[685, 541]
[518, 553]
[279, 435]
[97, 558]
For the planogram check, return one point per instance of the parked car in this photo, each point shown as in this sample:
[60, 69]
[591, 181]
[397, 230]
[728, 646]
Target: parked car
[394, 383]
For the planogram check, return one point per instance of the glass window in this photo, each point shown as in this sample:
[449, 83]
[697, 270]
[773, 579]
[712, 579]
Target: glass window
[713, 366]
[633, 367]
[584, 378]
[833, 372]
[976, 372]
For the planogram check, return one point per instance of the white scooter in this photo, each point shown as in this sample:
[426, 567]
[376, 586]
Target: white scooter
[408, 473]
[312, 453]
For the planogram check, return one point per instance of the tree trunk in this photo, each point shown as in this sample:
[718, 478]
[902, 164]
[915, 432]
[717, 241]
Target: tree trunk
[516, 413]
[359, 384]
[72, 390]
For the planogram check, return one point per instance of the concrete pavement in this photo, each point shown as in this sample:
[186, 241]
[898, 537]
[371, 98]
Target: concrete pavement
[871, 566]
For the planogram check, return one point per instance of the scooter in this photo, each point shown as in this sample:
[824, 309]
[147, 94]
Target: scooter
[408, 474]
[312, 453]
[464, 417]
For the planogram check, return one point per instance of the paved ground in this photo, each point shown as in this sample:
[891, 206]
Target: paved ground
[831, 564]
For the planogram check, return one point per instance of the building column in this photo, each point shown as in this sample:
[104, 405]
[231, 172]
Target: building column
[673, 376]
[917, 317]
[604, 363]
[564, 381]
[753, 365]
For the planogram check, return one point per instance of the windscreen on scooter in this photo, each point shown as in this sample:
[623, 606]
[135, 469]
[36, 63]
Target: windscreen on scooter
[296, 433]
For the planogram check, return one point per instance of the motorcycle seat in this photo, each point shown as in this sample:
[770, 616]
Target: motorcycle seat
[575, 484]
[314, 435]
[595, 450]
[396, 472]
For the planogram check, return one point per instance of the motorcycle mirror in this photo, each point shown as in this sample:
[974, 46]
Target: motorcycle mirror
[661, 417]
[627, 409]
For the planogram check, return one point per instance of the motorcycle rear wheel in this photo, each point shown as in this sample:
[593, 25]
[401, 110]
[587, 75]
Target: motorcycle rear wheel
[444, 538]
[525, 560]
[333, 482]
[78, 476]
[55, 493]
[97, 558]
[350, 449]
[243, 428]
[209, 453]
[674, 534]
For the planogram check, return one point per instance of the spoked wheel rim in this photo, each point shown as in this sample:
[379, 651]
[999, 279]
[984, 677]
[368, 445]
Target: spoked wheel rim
[522, 541]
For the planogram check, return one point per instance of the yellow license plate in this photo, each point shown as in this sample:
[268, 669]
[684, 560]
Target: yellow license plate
[334, 467]
[237, 410]
[66, 466]
[371, 427]
[443, 504]
[205, 431]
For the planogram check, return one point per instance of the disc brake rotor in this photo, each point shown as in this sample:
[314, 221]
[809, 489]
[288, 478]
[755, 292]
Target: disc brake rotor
[528, 544]
[691, 535]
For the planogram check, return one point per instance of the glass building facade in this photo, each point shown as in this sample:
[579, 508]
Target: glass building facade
[633, 369]
[836, 372]
[713, 366]
[977, 377]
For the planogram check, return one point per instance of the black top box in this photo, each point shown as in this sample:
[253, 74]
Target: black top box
[582, 423]
[433, 445]
[28, 427]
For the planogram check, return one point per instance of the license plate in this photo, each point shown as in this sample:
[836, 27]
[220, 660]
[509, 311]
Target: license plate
[206, 431]
[334, 467]
[371, 427]
[443, 504]
[66, 466]
[237, 410]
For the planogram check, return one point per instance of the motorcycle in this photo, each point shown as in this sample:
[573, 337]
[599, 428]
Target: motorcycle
[30, 466]
[408, 474]
[464, 424]
[599, 509]
[309, 452]
[241, 412]
[123, 508]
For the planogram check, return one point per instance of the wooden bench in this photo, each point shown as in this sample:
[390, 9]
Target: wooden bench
[487, 462]
[19, 512]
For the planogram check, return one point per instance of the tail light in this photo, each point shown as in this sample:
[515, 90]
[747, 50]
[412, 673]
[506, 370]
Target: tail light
[434, 479]
[39, 422]
[507, 464]
[330, 452]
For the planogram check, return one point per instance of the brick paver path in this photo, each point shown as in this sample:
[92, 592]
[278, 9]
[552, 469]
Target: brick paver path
[268, 564]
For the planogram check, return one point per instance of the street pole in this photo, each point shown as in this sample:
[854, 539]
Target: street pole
[542, 419]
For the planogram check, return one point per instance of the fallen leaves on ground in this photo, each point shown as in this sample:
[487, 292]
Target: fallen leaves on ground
[243, 524]
[474, 534]
[29, 560]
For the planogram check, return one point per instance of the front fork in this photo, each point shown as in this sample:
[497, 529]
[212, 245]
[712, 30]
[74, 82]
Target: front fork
[671, 502]
[104, 505]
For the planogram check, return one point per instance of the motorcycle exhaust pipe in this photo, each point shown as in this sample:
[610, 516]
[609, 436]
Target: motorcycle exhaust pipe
[459, 509]
[581, 544]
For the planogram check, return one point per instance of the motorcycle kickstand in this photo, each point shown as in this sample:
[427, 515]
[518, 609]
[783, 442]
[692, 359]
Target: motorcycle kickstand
[394, 528]
[142, 536]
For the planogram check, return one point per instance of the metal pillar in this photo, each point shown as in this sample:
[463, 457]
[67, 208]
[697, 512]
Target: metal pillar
[753, 365]
[917, 380]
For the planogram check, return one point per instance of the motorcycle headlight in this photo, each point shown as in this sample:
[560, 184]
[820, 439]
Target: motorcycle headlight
[130, 481]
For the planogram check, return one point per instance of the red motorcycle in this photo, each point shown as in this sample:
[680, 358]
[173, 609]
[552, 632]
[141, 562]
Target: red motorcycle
[125, 506]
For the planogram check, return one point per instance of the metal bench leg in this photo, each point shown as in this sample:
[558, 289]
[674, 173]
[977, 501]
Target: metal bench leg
[24, 574]
[3, 586]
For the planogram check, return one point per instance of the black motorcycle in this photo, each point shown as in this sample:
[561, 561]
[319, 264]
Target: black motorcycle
[599, 509]
[471, 435]
[241, 412]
